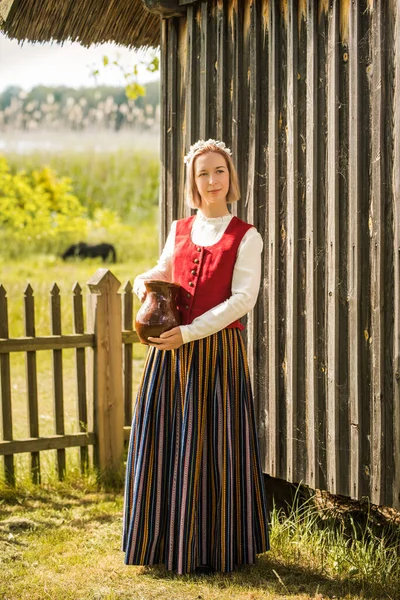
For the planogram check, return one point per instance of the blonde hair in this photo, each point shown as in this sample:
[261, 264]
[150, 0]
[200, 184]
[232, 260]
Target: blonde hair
[193, 197]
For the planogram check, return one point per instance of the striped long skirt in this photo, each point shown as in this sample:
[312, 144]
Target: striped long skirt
[194, 492]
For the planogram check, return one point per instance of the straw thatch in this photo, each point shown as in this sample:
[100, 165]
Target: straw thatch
[89, 22]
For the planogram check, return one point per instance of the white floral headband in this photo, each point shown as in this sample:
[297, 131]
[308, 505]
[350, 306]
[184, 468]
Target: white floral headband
[201, 144]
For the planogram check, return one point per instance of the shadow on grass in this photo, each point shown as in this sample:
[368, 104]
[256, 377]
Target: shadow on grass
[272, 577]
[48, 508]
[45, 508]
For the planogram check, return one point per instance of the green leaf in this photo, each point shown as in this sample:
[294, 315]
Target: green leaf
[154, 65]
[134, 90]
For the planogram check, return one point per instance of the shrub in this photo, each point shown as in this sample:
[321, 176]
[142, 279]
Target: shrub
[39, 212]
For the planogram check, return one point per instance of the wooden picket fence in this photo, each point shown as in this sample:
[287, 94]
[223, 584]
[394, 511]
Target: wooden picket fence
[103, 376]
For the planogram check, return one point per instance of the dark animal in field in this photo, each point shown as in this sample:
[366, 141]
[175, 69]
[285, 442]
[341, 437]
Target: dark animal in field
[83, 250]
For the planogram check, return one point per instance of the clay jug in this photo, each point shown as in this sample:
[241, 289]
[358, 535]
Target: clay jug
[158, 312]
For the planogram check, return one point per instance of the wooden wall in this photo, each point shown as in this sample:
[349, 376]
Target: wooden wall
[307, 95]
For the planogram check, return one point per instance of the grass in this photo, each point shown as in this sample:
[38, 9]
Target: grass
[62, 541]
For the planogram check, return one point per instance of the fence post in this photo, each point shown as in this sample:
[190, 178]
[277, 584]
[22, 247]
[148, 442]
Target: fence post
[105, 321]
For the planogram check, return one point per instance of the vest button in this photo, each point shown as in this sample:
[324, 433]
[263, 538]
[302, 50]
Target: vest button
[199, 249]
[193, 272]
[196, 260]
[187, 294]
[186, 306]
[191, 283]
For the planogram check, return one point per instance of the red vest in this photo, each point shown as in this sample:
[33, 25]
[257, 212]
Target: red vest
[205, 272]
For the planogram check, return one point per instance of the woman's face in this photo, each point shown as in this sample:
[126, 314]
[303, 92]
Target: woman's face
[212, 178]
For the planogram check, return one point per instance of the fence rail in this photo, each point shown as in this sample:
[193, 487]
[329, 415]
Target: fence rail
[104, 385]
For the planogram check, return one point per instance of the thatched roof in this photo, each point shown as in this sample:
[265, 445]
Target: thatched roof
[125, 22]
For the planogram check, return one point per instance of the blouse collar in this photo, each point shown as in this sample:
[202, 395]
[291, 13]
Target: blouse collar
[213, 220]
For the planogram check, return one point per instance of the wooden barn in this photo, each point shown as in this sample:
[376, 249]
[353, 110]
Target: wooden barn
[307, 95]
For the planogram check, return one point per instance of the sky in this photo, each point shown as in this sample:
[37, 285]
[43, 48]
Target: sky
[69, 64]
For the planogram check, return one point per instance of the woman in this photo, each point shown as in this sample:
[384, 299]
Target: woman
[194, 497]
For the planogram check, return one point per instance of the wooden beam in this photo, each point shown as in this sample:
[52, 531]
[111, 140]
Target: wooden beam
[49, 342]
[104, 320]
[165, 8]
[51, 442]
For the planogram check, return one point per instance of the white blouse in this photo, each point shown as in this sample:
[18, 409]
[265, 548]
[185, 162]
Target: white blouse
[245, 280]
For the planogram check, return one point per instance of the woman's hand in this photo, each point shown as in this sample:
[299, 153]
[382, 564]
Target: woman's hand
[169, 340]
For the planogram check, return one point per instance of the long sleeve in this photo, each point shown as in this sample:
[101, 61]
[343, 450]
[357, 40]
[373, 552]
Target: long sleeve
[163, 269]
[245, 287]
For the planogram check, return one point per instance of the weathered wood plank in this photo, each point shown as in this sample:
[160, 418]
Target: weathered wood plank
[235, 35]
[283, 400]
[302, 298]
[127, 319]
[320, 265]
[396, 254]
[365, 157]
[273, 454]
[292, 244]
[191, 119]
[353, 257]
[260, 349]
[204, 75]
[130, 337]
[104, 319]
[245, 67]
[388, 258]
[182, 208]
[57, 342]
[332, 257]
[212, 66]
[249, 161]
[31, 376]
[173, 132]
[170, 126]
[376, 217]
[164, 200]
[221, 71]
[50, 342]
[80, 361]
[230, 9]
[58, 389]
[53, 442]
[5, 380]
[312, 419]
[343, 244]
